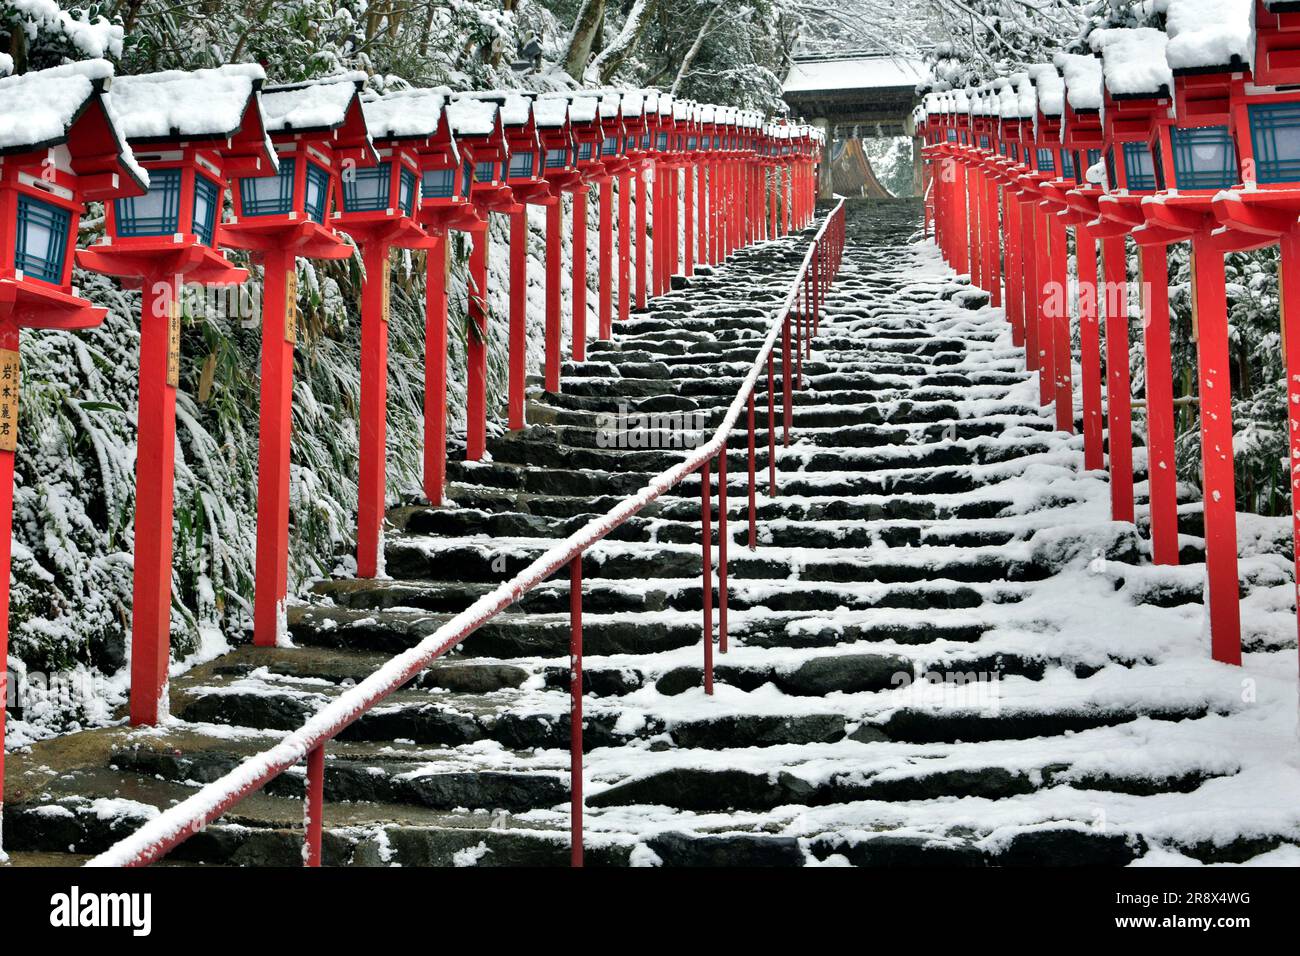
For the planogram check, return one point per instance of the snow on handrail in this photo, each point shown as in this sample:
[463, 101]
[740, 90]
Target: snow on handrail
[177, 823]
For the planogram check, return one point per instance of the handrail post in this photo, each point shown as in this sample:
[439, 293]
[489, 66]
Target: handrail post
[575, 711]
[786, 415]
[722, 548]
[771, 427]
[706, 532]
[313, 821]
[753, 516]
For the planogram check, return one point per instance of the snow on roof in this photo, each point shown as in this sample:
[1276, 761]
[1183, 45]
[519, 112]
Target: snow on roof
[38, 108]
[1133, 61]
[1019, 101]
[470, 116]
[633, 102]
[404, 113]
[1209, 33]
[320, 105]
[1050, 88]
[708, 113]
[666, 104]
[551, 111]
[682, 109]
[652, 101]
[611, 104]
[1082, 75]
[583, 108]
[179, 103]
[855, 73]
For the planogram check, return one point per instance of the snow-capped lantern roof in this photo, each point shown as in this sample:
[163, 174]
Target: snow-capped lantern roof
[666, 101]
[1081, 75]
[1209, 35]
[329, 109]
[611, 105]
[633, 103]
[1133, 62]
[515, 108]
[66, 106]
[682, 110]
[1049, 87]
[584, 107]
[550, 112]
[218, 103]
[404, 114]
[471, 116]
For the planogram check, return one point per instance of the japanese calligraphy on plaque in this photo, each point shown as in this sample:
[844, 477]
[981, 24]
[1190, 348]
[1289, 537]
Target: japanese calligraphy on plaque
[386, 293]
[174, 344]
[8, 399]
[291, 306]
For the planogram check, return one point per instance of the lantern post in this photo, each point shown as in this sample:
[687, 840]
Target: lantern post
[278, 217]
[79, 157]
[1082, 140]
[1195, 158]
[1264, 119]
[445, 205]
[479, 130]
[190, 131]
[560, 171]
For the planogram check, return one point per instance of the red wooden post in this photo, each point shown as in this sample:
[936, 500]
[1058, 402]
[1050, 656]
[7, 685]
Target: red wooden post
[706, 536]
[1214, 364]
[992, 252]
[688, 230]
[660, 240]
[753, 506]
[1047, 266]
[674, 251]
[1119, 412]
[975, 235]
[722, 549]
[476, 346]
[313, 806]
[374, 405]
[518, 316]
[1063, 393]
[578, 322]
[1161, 476]
[1289, 293]
[575, 711]
[8, 340]
[961, 259]
[624, 245]
[554, 319]
[606, 311]
[701, 213]
[773, 179]
[1089, 351]
[715, 198]
[642, 234]
[270, 582]
[1032, 254]
[435, 369]
[155, 470]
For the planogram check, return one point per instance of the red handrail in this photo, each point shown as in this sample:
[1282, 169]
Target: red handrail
[177, 823]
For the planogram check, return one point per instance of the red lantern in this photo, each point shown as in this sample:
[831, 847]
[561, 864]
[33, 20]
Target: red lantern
[59, 148]
[191, 131]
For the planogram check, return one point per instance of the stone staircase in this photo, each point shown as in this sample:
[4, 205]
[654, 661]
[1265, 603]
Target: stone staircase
[942, 650]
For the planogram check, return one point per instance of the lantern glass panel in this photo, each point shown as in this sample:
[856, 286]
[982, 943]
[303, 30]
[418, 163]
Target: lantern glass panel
[984, 142]
[406, 190]
[466, 178]
[1015, 152]
[316, 196]
[157, 212]
[629, 142]
[438, 183]
[207, 204]
[691, 142]
[1275, 136]
[662, 142]
[485, 172]
[42, 240]
[584, 151]
[952, 136]
[610, 146]
[1139, 170]
[1067, 164]
[1046, 161]
[269, 195]
[645, 140]
[366, 190]
[557, 158]
[1204, 157]
[521, 165]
